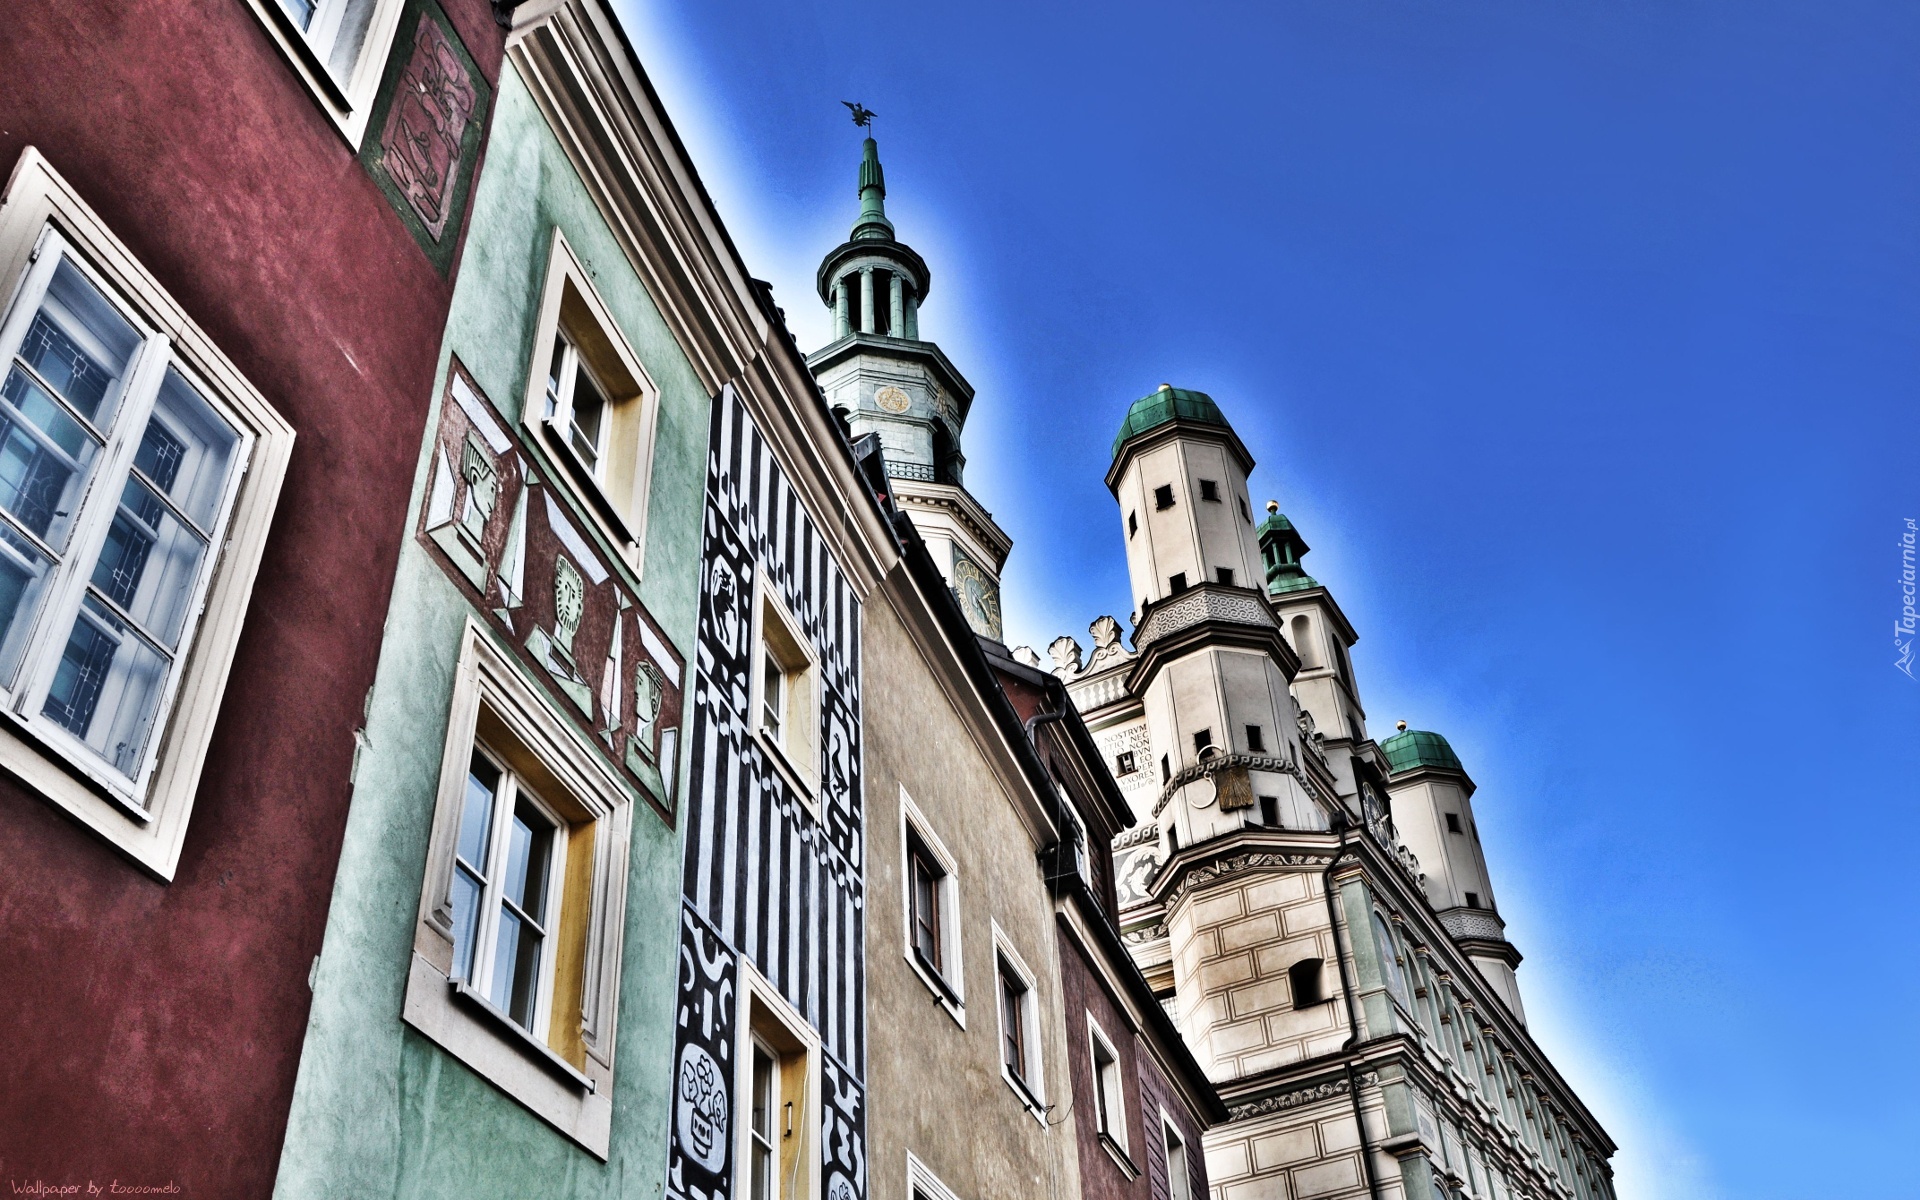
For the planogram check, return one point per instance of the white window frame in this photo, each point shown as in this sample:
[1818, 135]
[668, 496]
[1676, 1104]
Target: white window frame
[1180, 1186]
[490, 691]
[144, 817]
[506, 801]
[1031, 1089]
[1109, 1102]
[923, 1184]
[795, 749]
[345, 90]
[949, 987]
[571, 307]
[767, 1018]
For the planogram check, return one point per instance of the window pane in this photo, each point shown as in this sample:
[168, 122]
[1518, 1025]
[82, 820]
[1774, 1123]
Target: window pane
[80, 345]
[529, 849]
[476, 817]
[513, 962]
[45, 457]
[23, 576]
[466, 920]
[589, 416]
[300, 10]
[187, 451]
[149, 563]
[556, 372]
[107, 686]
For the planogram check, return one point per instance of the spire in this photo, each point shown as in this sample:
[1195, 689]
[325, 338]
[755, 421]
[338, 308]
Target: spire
[1282, 547]
[873, 224]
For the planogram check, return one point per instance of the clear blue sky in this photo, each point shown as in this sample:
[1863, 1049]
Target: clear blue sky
[1580, 341]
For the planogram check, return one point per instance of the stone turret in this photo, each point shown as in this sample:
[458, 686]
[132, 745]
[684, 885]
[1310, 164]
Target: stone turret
[882, 378]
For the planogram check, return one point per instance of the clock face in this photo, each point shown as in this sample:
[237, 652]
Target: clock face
[979, 596]
[892, 399]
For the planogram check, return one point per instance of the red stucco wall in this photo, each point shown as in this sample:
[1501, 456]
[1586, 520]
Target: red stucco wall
[1148, 1092]
[150, 1032]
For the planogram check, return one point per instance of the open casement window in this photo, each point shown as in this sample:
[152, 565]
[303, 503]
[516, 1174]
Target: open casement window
[592, 403]
[931, 908]
[516, 957]
[778, 1154]
[1109, 1091]
[138, 472]
[786, 702]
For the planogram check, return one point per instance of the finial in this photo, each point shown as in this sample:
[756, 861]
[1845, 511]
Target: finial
[1400, 725]
[1166, 387]
[1273, 506]
[862, 115]
[873, 224]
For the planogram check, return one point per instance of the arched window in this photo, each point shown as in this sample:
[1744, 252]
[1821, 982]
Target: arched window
[1389, 957]
[1303, 642]
[1303, 980]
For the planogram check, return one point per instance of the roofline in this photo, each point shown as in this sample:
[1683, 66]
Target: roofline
[1167, 431]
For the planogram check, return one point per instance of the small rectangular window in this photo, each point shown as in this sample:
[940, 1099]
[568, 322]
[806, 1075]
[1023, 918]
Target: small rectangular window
[788, 705]
[1123, 763]
[1270, 811]
[1133, 523]
[1453, 822]
[1109, 1089]
[1256, 740]
[1177, 583]
[924, 899]
[764, 1094]
[1163, 496]
[1166, 772]
[1224, 575]
[1210, 491]
[1179, 1174]
[1473, 900]
[1013, 1022]
[1245, 513]
[1202, 740]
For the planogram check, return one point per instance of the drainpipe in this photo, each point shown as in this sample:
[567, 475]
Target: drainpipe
[1353, 1014]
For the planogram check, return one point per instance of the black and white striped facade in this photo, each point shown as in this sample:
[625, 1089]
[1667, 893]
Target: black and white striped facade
[765, 880]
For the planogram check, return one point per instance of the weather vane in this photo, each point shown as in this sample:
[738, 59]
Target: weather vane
[862, 115]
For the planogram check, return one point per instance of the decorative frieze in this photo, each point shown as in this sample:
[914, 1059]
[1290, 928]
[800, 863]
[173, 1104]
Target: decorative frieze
[1281, 1102]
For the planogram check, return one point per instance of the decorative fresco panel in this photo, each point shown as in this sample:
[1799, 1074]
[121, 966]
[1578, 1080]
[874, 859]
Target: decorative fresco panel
[704, 1015]
[425, 130]
[509, 540]
[776, 876]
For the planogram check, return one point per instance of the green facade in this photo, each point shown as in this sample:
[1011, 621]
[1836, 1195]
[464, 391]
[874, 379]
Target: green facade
[379, 1110]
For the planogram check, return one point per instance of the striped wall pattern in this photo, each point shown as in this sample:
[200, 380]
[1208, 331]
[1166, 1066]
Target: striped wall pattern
[772, 878]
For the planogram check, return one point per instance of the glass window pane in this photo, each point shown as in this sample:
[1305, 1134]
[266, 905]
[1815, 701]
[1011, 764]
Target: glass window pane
[556, 373]
[23, 577]
[466, 920]
[107, 686]
[45, 457]
[149, 563]
[529, 850]
[300, 10]
[187, 451]
[80, 345]
[589, 415]
[506, 956]
[476, 816]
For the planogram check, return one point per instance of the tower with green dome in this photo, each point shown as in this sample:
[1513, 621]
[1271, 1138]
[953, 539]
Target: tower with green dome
[882, 378]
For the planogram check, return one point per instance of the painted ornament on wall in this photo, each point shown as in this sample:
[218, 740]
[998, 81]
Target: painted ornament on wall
[513, 546]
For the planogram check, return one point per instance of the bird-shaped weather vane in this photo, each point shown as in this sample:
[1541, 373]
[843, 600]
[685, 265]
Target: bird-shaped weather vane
[862, 115]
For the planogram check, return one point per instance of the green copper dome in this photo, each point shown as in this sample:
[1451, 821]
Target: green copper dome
[1167, 405]
[1412, 748]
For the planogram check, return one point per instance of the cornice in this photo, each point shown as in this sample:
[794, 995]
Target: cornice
[966, 510]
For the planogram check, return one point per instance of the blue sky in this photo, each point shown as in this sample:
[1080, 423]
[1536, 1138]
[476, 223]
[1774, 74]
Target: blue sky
[1580, 341]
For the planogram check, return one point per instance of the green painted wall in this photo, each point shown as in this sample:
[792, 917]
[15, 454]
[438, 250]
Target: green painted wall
[379, 1110]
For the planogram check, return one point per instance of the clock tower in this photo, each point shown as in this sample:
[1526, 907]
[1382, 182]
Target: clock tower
[881, 378]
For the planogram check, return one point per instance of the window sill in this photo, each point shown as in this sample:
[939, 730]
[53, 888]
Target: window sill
[807, 788]
[1119, 1155]
[588, 487]
[512, 1031]
[943, 992]
[1027, 1099]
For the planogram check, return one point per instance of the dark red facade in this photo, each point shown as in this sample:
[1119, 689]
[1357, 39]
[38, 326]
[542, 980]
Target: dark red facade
[150, 1032]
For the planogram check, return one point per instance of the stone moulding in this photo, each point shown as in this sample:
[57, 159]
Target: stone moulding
[1282, 1101]
[1251, 861]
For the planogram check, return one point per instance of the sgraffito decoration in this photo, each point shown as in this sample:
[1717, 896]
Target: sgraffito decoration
[704, 1016]
[775, 875]
[424, 134]
[512, 544]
